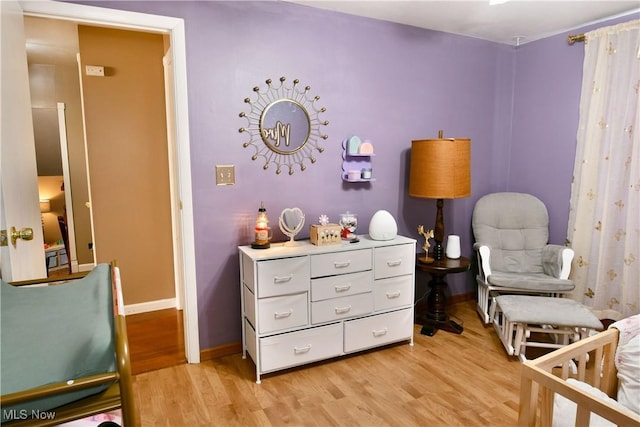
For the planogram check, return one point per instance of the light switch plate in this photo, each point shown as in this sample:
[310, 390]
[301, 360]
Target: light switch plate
[225, 175]
[94, 70]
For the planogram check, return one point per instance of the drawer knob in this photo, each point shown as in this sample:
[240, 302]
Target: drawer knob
[282, 314]
[391, 295]
[282, 279]
[342, 310]
[394, 263]
[380, 332]
[304, 349]
[342, 264]
[343, 288]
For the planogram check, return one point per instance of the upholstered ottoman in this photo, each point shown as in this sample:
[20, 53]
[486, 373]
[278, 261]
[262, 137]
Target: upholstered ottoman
[515, 317]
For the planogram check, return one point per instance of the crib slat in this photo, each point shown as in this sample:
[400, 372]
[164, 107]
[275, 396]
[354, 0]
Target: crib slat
[582, 416]
[609, 375]
[528, 394]
[582, 366]
[546, 408]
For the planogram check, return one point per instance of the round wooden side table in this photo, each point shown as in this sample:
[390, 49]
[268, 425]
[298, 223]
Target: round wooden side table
[436, 317]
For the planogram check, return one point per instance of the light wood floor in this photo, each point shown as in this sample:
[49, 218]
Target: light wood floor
[445, 380]
[156, 340]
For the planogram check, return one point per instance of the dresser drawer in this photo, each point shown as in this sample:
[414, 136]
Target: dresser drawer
[296, 348]
[340, 262]
[283, 276]
[390, 261]
[280, 313]
[394, 292]
[340, 286]
[341, 308]
[373, 331]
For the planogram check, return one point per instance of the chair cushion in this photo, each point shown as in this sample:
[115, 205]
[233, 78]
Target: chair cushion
[538, 282]
[54, 334]
[516, 228]
[534, 310]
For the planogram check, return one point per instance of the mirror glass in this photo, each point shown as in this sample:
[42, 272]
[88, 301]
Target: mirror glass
[291, 222]
[284, 126]
[283, 123]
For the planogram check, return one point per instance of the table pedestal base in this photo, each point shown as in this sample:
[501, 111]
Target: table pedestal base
[436, 316]
[431, 327]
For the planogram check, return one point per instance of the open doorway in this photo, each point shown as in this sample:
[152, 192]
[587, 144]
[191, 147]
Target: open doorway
[116, 151]
[121, 145]
[174, 28]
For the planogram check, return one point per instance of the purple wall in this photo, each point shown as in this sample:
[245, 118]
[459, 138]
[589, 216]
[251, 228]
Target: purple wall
[386, 82]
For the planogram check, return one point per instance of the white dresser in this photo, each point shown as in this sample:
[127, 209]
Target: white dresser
[306, 303]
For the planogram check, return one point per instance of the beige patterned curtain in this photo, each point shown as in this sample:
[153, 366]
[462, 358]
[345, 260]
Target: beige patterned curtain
[604, 218]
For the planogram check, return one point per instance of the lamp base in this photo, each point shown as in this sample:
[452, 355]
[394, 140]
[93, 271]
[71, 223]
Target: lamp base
[425, 259]
[438, 251]
[255, 245]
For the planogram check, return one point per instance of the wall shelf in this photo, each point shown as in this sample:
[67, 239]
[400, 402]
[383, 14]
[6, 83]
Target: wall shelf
[355, 162]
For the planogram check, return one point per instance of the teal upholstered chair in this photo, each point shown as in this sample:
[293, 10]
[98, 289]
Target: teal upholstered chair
[64, 351]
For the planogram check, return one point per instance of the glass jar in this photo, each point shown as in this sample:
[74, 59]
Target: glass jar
[349, 224]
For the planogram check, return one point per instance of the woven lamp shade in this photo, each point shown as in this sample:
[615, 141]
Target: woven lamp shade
[440, 168]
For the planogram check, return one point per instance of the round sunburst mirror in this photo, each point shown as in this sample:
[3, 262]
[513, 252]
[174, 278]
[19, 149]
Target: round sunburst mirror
[283, 124]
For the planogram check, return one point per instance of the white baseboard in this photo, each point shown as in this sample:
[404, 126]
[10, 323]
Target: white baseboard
[145, 307]
[85, 267]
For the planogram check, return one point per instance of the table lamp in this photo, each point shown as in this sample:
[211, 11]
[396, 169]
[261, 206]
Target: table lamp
[262, 230]
[440, 169]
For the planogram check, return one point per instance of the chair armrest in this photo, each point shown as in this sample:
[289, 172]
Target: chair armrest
[556, 261]
[484, 258]
[124, 370]
[55, 389]
[122, 352]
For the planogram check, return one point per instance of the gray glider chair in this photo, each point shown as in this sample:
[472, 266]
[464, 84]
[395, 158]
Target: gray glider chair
[511, 233]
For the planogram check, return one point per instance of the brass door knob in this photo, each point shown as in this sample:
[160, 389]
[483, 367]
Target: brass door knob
[24, 234]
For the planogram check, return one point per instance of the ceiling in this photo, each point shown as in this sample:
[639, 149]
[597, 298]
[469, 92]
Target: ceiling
[511, 22]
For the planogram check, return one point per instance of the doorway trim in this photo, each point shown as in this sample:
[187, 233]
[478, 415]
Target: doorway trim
[174, 27]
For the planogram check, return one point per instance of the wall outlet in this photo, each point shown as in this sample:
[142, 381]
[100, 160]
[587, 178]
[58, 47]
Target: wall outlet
[225, 175]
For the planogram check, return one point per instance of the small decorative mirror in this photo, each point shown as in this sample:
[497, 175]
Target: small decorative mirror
[284, 126]
[291, 222]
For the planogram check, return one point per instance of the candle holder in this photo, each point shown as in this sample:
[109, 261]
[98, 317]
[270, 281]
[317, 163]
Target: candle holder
[262, 230]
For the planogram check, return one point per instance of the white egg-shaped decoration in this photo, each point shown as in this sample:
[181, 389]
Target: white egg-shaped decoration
[383, 226]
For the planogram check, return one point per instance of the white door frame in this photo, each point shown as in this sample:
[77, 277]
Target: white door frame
[174, 27]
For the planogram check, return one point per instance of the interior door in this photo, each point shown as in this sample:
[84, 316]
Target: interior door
[19, 201]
